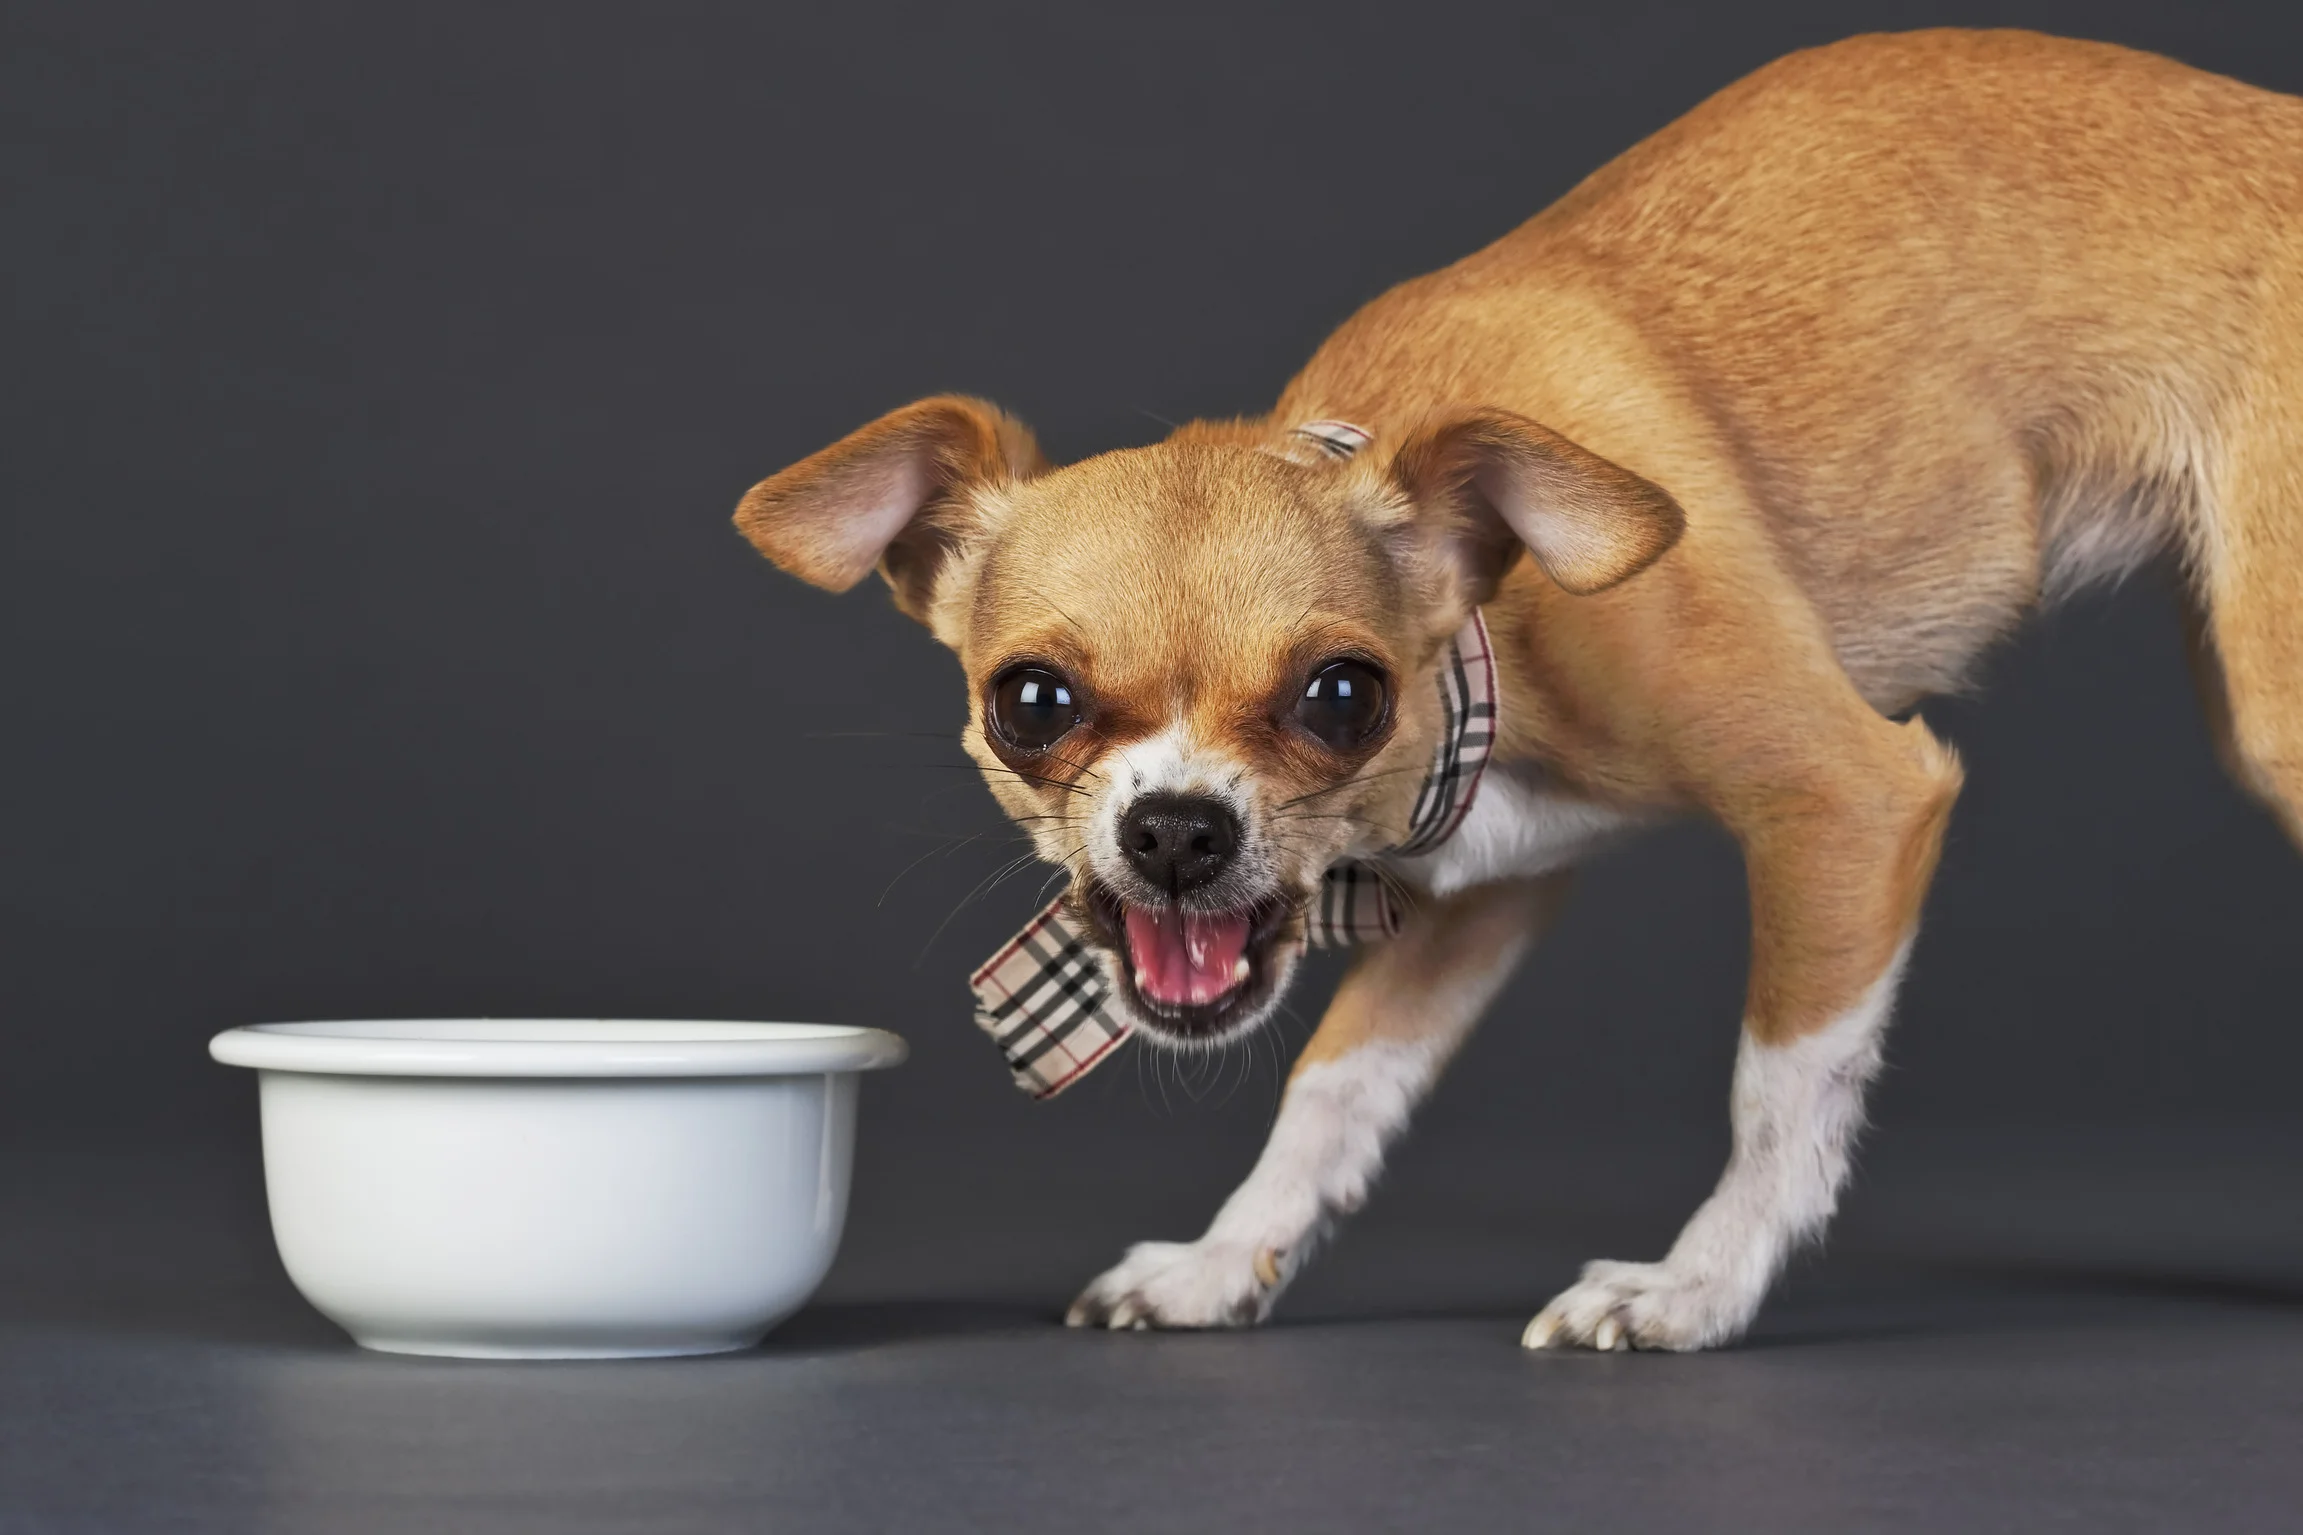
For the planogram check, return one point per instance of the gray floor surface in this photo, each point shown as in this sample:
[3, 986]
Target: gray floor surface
[2097, 1330]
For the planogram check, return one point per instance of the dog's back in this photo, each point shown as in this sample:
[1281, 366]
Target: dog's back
[1966, 317]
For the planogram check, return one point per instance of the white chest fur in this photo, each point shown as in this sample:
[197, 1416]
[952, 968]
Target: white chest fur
[1516, 829]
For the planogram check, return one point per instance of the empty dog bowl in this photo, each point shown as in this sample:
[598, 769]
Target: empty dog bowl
[557, 1189]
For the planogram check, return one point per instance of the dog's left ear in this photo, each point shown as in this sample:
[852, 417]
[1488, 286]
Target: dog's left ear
[895, 494]
[1494, 483]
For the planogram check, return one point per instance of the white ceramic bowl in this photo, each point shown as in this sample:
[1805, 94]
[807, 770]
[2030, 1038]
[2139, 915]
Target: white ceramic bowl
[557, 1189]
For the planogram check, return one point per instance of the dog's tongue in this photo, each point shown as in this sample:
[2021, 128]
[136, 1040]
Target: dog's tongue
[1184, 959]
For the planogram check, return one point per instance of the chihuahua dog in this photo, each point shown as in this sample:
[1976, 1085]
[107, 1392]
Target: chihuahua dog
[1758, 437]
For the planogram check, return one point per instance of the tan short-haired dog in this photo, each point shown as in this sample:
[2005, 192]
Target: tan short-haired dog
[1795, 408]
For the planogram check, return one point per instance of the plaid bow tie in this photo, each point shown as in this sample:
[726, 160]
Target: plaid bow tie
[1044, 998]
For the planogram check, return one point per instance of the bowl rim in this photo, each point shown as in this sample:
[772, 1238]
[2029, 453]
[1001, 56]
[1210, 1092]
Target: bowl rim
[556, 1047]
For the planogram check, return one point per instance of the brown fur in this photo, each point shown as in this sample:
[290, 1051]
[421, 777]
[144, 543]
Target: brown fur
[1801, 404]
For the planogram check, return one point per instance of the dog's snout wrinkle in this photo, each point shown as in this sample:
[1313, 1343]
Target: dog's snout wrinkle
[1179, 843]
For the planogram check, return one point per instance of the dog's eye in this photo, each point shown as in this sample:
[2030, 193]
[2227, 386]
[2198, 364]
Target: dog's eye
[1343, 704]
[1033, 708]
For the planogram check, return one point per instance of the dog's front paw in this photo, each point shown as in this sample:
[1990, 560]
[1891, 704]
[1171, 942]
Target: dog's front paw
[1642, 1305]
[1182, 1284]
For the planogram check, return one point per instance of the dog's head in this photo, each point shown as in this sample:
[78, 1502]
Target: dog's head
[1199, 673]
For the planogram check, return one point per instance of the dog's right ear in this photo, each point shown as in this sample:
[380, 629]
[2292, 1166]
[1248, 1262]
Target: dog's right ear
[897, 494]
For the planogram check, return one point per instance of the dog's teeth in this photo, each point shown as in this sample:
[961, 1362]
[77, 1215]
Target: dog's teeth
[1239, 969]
[1539, 1331]
[1608, 1336]
[1143, 978]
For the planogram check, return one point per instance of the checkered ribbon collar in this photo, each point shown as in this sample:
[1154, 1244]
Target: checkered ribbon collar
[1044, 997]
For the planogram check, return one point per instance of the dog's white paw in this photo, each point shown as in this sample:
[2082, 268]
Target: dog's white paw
[1641, 1305]
[1182, 1284]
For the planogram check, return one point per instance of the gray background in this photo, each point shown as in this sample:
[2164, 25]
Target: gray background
[381, 380]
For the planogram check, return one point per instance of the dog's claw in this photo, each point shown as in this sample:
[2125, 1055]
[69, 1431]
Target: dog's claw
[1609, 1337]
[1539, 1332]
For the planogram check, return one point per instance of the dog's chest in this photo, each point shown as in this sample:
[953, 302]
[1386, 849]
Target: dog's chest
[1516, 829]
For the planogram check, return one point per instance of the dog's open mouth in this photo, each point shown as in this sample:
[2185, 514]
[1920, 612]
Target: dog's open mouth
[1195, 973]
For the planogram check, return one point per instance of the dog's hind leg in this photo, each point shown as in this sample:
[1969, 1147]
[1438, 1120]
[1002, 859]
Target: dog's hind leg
[1394, 1023]
[2247, 622]
[2260, 764]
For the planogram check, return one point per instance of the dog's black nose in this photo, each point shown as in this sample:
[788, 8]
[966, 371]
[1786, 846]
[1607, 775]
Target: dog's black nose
[1177, 842]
